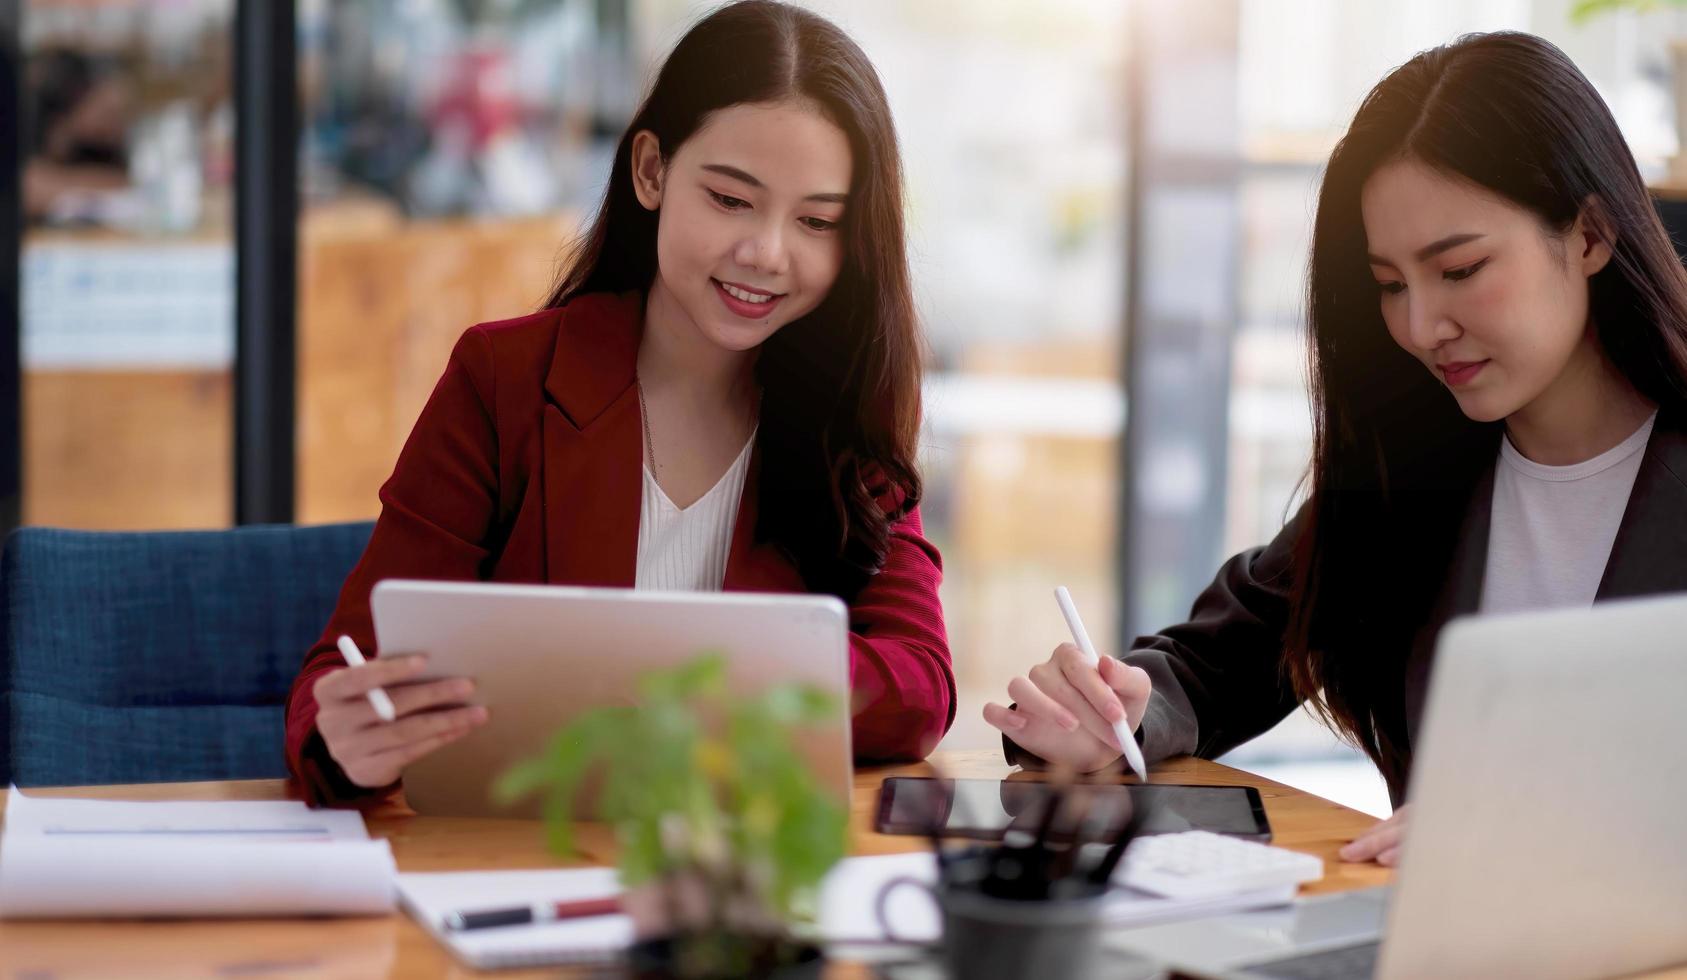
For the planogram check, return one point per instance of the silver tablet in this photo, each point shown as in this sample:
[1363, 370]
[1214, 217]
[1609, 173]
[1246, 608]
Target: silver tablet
[540, 654]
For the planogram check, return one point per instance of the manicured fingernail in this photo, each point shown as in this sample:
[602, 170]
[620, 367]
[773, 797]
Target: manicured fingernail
[1069, 722]
[1114, 711]
[1014, 720]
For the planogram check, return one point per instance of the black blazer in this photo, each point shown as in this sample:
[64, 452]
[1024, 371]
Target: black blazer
[1218, 678]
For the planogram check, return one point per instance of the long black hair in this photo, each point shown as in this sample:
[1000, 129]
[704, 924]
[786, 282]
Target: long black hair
[840, 386]
[1394, 459]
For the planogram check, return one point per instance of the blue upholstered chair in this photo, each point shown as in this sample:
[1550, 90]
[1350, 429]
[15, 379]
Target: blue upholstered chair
[146, 657]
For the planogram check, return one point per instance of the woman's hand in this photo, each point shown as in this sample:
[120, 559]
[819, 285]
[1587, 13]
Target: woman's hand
[373, 753]
[1382, 842]
[1067, 708]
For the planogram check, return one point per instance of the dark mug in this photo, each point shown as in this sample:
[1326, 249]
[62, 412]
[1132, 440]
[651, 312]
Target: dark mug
[989, 938]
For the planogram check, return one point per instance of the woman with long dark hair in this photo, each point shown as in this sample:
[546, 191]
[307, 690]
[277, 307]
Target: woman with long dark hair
[723, 391]
[1498, 348]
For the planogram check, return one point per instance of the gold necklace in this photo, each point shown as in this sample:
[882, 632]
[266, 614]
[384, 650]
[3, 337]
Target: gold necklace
[644, 414]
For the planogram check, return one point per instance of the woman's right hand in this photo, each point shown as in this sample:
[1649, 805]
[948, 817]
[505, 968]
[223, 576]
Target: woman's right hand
[1067, 708]
[372, 752]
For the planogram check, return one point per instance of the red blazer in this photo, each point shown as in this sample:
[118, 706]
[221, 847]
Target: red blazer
[526, 466]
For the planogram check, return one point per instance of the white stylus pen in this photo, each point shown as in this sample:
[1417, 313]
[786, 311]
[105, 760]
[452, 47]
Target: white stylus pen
[377, 698]
[1081, 636]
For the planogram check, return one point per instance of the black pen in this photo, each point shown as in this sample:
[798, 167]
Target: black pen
[1016, 870]
[1103, 873]
[936, 821]
[519, 915]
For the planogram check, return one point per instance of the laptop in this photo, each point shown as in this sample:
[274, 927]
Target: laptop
[1549, 797]
[541, 654]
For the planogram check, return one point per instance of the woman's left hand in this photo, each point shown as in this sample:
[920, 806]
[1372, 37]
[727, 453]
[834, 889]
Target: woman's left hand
[1382, 842]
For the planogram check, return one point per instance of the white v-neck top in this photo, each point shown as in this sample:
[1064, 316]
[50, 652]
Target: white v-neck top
[686, 550]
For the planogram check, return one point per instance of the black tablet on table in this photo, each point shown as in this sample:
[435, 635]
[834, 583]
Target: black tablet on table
[987, 808]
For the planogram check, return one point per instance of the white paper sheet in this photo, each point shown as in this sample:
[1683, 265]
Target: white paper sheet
[266, 820]
[94, 858]
[49, 878]
[849, 895]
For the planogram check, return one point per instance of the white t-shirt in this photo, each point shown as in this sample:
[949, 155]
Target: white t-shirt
[686, 550]
[1552, 526]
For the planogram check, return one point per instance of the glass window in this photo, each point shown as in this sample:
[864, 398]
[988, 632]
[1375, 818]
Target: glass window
[127, 278]
[450, 151]
[1011, 118]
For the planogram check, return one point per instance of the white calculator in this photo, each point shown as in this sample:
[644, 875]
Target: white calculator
[1200, 864]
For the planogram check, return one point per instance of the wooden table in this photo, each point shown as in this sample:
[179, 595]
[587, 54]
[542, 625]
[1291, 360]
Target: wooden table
[395, 947]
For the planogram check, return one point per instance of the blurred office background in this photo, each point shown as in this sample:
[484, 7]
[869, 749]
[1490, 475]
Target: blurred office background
[1109, 202]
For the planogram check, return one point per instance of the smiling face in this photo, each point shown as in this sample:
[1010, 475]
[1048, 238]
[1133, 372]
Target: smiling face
[1492, 302]
[750, 207]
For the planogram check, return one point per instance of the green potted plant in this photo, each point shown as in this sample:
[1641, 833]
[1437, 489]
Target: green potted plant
[723, 833]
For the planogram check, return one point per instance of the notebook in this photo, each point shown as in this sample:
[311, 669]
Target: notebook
[430, 897]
